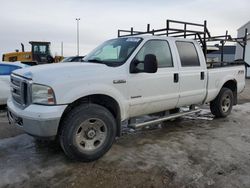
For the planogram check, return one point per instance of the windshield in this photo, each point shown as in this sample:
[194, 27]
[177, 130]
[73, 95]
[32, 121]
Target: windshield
[114, 52]
[40, 49]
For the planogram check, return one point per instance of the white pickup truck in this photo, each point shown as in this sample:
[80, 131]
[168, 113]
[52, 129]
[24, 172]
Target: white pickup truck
[83, 104]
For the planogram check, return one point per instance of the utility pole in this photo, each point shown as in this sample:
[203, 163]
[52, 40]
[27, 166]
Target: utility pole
[77, 33]
[62, 49]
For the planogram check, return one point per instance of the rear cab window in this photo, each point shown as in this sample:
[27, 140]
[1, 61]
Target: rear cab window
[7, 69]
[188, 54]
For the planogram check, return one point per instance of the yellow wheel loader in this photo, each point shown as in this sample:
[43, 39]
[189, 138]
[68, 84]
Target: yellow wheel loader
[39, 54]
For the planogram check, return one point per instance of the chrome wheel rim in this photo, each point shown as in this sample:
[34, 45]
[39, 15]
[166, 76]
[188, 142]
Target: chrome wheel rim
[91, 134]
[226, 103]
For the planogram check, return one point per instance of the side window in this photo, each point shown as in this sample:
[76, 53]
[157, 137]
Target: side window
[36, 49]
[160, 49]
[12, 68]
[7, 69]
[188, 54]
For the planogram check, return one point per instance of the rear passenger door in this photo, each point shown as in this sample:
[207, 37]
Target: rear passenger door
[192, 73]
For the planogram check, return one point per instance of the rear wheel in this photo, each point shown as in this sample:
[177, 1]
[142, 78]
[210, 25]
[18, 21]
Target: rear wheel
[88, 132]
[222, 105]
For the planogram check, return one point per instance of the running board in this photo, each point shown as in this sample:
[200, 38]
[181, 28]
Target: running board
[165, 118]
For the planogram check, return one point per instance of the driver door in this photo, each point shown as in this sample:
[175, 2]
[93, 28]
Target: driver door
[153, 92]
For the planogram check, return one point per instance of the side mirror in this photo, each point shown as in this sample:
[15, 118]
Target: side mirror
[150, 63]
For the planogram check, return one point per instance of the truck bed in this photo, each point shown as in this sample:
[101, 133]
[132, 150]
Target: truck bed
[211, 65]
[218, 75]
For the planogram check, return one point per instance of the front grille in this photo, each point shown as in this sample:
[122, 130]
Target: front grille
[19, 90]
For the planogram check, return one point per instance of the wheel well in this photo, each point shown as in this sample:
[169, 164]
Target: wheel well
[232, 85]
[100, 99]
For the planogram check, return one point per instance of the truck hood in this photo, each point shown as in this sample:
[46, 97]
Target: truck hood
[50, 73]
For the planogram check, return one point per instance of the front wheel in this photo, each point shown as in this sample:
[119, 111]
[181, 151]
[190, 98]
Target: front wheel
[88, 132]
[222, 105]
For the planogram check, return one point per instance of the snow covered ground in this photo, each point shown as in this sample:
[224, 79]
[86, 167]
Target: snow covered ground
[195, 152]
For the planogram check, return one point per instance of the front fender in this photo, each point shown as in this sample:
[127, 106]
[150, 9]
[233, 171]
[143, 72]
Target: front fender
[93, 89]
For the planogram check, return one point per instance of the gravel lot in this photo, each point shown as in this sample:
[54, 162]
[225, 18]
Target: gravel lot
[196, 151]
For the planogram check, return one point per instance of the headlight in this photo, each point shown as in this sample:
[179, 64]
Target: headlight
[42, 94]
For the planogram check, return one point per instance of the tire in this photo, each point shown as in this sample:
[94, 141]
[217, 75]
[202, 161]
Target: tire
[50, 59]
[88, 132]
[3, 107]
[222, 105]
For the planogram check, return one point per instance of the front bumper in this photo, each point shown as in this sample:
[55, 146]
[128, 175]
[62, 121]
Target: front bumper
[36, 120]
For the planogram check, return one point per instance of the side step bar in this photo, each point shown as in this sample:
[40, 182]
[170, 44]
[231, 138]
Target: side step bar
[159, 120]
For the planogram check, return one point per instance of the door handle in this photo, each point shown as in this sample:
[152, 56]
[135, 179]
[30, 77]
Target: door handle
[202, 75]
[176, 77]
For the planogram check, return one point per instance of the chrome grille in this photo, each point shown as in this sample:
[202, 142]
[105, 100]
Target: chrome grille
[19, 90]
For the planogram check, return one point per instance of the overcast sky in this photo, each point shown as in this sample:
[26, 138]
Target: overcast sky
[54, 20]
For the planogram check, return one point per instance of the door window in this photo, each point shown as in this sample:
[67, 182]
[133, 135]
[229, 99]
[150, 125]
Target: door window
[159, 48]
[7, 69]
[188, 54]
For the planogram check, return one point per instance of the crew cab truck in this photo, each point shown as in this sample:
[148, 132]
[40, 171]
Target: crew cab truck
[83, 104]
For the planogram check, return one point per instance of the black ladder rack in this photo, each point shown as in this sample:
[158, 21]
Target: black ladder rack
[182, 30]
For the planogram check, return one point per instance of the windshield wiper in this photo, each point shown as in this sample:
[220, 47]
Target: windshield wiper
[95, 61]
[98, 61]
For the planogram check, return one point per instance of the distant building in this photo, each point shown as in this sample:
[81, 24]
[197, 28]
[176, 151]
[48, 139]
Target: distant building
[239, 49]
[229, 54]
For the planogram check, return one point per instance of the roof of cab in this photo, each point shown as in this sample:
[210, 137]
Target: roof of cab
[147, 37]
